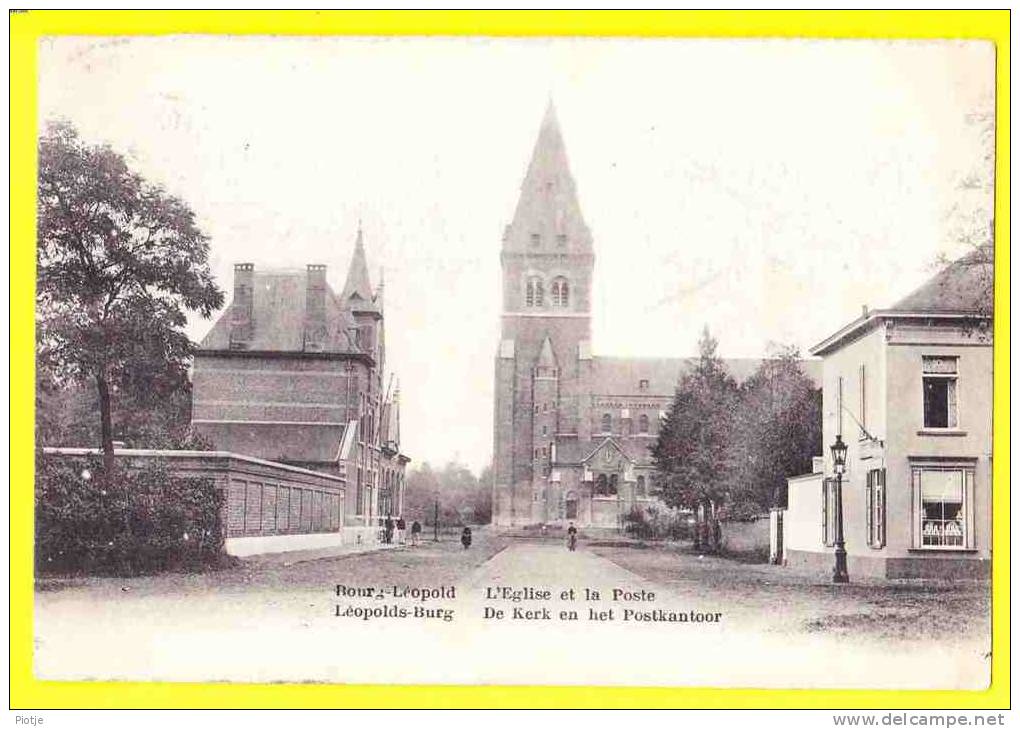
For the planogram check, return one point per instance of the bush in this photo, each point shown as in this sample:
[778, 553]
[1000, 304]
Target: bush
[143, 520]
[652, 524]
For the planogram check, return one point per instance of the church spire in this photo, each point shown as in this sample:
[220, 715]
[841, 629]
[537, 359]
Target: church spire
[548, 214]
[357, 293]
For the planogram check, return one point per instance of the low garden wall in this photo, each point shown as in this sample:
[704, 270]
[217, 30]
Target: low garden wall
[253, 505]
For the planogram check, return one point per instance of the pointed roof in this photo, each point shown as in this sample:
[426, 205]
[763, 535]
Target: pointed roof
[357, 292]
[546, 356]
[961, 292]
[607, 442]
[964, 286]
[279, 303]
[548, 206]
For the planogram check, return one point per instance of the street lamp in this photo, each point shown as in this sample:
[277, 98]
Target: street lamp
[839, 573]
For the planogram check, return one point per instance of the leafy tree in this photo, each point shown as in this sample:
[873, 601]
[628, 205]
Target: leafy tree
[691, 454]
[777, 431]
[120, 262]
[463, 498]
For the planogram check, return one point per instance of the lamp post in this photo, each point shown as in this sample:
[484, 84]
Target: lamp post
[435, 519]
[839, 573]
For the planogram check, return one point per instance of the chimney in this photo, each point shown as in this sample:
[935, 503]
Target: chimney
[241, 313]
[315, 308]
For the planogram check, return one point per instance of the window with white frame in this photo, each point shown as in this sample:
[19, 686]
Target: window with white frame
[943, 497]
[874, 494]
[939, 388]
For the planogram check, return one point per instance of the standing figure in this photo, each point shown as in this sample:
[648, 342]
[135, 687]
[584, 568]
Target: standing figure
[388, 529]
[465, 537]
[415, 533]
[401, 529]
[572, 537]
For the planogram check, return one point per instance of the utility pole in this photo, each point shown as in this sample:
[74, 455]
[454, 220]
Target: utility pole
[435, 520]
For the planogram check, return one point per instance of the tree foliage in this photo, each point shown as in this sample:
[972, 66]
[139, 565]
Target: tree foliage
[120, 262]
[691, 454]
[728, 449]
[777, 431]
[463, 498]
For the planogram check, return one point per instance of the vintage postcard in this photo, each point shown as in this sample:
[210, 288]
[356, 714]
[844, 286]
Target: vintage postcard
[515, 361]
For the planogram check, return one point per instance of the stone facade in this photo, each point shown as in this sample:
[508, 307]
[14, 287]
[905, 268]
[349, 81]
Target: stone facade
[293, 373]
[572, 430]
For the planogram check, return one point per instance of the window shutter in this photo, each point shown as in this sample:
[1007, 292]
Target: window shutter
[968, 505]
[869, 507]
[915, 507]
[825, 511]
[880, 516]
[951, 397]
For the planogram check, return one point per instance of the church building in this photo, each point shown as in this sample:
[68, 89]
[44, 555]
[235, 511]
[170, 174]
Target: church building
[292, 372]
[572, 429]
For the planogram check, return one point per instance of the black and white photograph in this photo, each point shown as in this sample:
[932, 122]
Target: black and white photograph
[514, 361]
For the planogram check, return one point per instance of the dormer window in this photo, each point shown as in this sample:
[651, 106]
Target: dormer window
[535, 239]
[643, 385]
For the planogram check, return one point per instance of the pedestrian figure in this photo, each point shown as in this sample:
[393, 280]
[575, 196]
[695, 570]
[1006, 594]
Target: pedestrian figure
[465, 537]
[401, 528]
[572, 537]
[415, 533]
[388, 529]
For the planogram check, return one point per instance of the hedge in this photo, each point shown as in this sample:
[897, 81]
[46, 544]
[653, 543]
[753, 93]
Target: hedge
[143, 520]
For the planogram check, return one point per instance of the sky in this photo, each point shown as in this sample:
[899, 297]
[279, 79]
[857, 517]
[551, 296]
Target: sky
[766, 189]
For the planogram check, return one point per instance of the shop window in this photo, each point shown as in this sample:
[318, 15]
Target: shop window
[939, 386]
[874, 494]
[943, 499]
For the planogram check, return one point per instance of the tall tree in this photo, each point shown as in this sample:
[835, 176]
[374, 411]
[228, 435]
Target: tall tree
[120, 262]
[777, 431]
[691, 453]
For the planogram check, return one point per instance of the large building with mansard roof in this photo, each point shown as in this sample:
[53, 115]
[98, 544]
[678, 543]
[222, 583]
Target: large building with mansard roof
[572, 428]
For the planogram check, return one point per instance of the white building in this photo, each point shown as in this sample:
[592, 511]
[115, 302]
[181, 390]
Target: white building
[909, 388]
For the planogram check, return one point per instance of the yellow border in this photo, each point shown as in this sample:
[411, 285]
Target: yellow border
[26, 28]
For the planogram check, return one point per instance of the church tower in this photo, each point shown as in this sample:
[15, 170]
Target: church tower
[544, 354]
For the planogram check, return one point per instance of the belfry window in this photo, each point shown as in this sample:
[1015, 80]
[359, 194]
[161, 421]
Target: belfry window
[560, 292]
[534, 292]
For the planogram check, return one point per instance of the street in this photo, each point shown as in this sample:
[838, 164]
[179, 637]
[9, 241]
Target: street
[522, 612]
